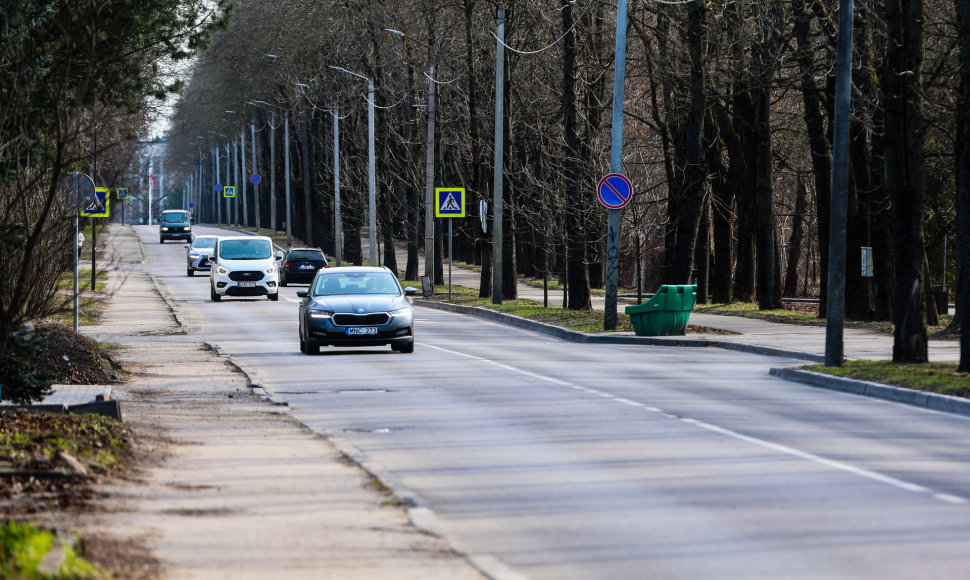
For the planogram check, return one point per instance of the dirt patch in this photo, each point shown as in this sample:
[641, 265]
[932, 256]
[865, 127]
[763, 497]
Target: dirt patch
[803, 307]
[73, 358]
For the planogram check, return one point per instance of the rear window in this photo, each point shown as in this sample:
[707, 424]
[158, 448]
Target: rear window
[307, 255]
[175, 216]
[204, 242]
[245, 249]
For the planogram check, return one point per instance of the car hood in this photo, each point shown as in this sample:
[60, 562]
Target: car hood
[237, 265]
[353, 304]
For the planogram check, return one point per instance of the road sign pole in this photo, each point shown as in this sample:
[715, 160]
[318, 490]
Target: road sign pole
[497, 178]
[449, 260]
[616, 162]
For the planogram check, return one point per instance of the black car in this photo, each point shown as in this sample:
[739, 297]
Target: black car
[356, 306]
[175, 224]
[301, 265]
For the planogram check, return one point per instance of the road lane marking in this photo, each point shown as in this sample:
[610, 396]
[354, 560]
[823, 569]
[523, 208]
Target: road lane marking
[784, 449]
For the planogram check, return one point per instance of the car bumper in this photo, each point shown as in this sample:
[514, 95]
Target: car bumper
[325, 333]
[300, 275]
[182, 235]
[226, 287]
[201, 263]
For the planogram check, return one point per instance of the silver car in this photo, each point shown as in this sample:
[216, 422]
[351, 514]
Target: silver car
[356, 306]
[198, 254]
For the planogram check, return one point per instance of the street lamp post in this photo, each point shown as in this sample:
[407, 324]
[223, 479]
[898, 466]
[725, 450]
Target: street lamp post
[371, 162]
[272, 164]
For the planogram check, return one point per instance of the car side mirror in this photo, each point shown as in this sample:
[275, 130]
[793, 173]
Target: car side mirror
[186, 246]
[410, 291]
[302, 293]
[279, 255]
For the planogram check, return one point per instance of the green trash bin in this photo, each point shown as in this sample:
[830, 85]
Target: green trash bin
[666, 313]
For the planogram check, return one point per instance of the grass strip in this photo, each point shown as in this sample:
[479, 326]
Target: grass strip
[932, 377]
[23, 548]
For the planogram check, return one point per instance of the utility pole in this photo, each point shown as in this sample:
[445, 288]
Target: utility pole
[497, 180]
[835, 296]
[616, 166]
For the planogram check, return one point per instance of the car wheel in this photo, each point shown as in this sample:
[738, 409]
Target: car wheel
[190, 272]
[407, 348]
[161, 240]
[212, 294]
[283, 280]
[312, 348]
[274, 296]
[302, 343]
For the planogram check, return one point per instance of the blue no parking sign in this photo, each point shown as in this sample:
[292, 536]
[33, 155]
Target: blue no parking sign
[615, 191]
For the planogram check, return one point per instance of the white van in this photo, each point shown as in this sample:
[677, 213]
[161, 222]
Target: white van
[244, 266]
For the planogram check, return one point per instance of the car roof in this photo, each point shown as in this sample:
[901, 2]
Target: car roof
[225, 238]
[304, 249]
[339, 269]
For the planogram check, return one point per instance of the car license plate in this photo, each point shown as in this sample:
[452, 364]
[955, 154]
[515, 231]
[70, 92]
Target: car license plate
[247, 284]
[306, 267]
[361, 330]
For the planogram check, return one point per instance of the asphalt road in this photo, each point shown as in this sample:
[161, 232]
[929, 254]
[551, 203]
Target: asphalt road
[565, 460]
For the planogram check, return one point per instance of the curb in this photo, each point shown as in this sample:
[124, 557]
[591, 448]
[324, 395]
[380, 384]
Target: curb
[582, 337]
[931, 401]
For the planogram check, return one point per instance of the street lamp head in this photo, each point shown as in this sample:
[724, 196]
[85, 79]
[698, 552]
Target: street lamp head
[392, 31]
[340, 69]
[271, 56]
[230, 112]
[302, 85]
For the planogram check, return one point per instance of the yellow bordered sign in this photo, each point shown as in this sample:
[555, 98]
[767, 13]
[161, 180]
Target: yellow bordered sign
[99, 205]
[122, 193]
[228, 191]
[449, 202]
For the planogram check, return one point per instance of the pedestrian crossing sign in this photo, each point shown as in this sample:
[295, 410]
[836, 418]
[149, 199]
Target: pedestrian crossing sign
[449, 202]
[228, 191]
[99, 205]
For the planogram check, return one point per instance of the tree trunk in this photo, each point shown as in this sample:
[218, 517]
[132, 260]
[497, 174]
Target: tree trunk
[902, 97]
[693, 188]
[579, 295]
[962, 171]
[796, 240]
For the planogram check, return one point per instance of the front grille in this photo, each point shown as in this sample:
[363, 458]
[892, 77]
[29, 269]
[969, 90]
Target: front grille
[377, 319]
[246, 276]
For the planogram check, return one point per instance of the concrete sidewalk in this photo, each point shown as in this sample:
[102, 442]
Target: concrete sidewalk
[810, 340]
[229, 484]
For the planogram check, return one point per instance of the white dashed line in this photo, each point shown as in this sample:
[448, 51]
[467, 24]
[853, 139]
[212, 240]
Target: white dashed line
[838, 465]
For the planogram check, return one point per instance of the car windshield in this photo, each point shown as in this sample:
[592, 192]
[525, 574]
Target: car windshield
[179, 217]
[343, 283]
[245, 249]
[306, 255]
[204, 242]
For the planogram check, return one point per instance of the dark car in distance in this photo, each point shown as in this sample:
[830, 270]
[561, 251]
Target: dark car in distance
[356, 306]
[300, 265]
[175, 224]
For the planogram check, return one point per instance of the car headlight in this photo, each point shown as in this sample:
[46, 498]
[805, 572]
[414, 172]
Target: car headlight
[193, 255]
[320, 314]
[221, 271]
[270, 270]
[164, 229]
[402, 314]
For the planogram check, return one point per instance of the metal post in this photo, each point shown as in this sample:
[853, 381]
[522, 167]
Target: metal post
[371, 177]
[149, 179]
[616, 166]
[497, 184]
[305, 163]
[835, 297]
[449, 259]
[242, 174]
[272, 172]
[252, 141]
[218, 194]
[220, 199]
[233, 203]
[286, 170]
[429, 260]
[338, 226]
